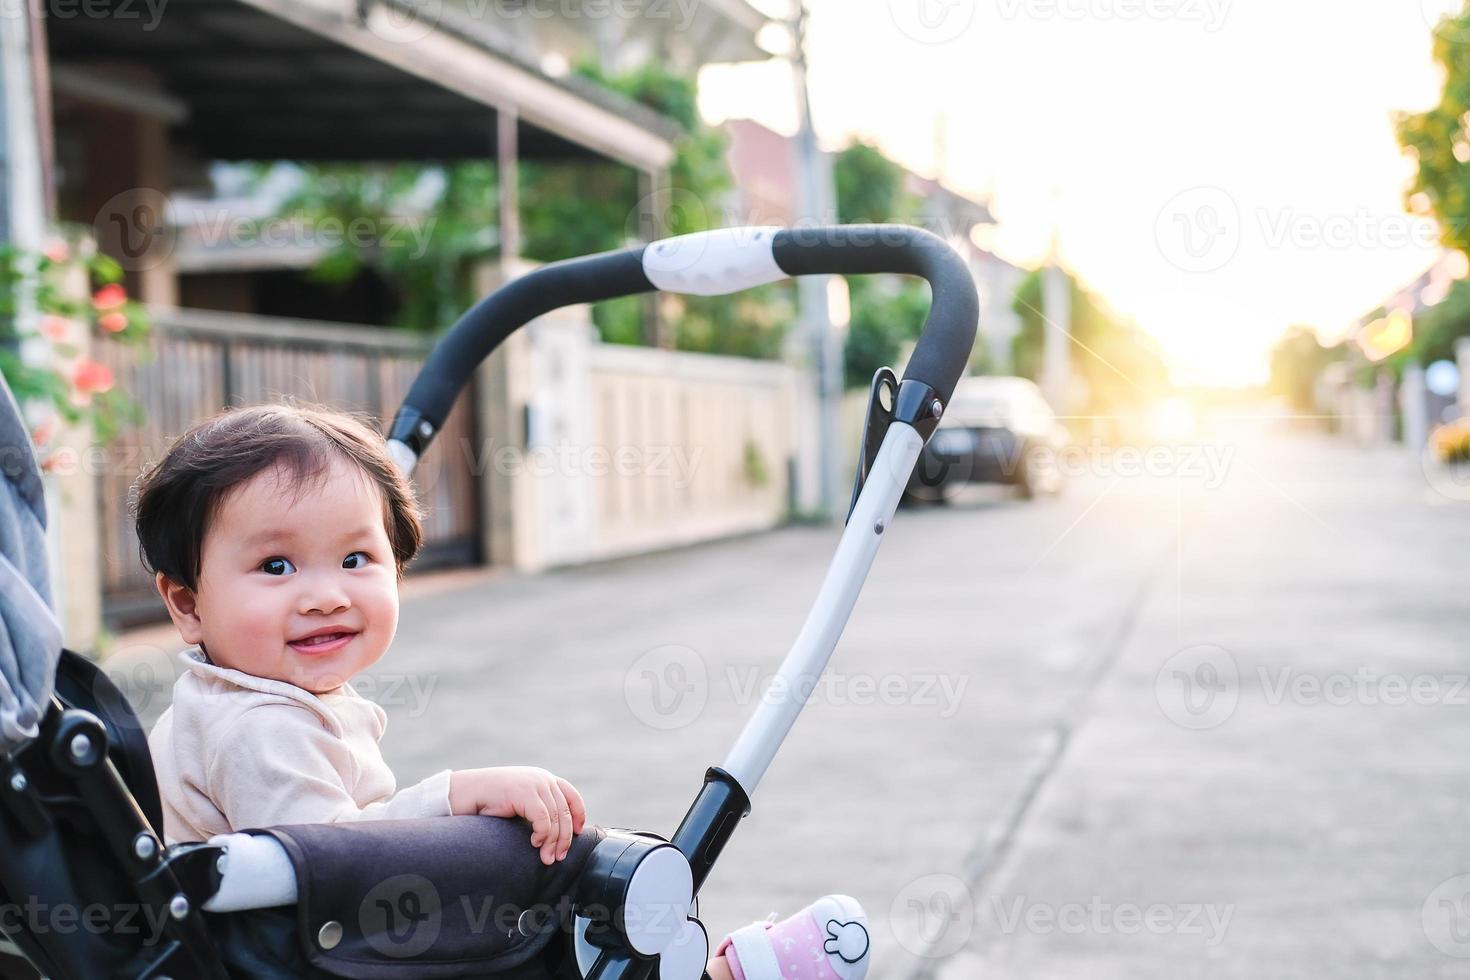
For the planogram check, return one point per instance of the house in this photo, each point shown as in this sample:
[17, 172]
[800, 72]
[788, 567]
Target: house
[112, 121]
[764, 166]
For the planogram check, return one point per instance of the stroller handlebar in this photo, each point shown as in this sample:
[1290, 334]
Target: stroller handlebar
[708, 263]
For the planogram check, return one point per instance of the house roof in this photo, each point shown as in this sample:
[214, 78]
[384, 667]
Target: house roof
[293, 79]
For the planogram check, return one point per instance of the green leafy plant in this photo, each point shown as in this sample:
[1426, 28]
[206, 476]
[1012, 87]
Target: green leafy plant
[753, 466]
[45, 319]
[567, 208]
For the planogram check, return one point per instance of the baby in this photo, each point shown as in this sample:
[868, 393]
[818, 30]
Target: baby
[277, 536]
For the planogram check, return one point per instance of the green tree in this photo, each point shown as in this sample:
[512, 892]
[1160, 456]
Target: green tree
[1438, 140]
[567, 209]
[887, 311]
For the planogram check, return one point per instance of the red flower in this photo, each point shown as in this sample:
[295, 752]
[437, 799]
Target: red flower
[41, 434]
[92, 377]
[54, 327]
[113, 322]
[110, 297]
[56, 250]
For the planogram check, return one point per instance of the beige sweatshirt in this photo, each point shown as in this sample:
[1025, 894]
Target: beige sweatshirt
[236, 751]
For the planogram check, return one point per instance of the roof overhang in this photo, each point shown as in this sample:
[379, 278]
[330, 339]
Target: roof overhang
[338, 80]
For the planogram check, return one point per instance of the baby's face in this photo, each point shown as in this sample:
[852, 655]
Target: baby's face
[303, 592]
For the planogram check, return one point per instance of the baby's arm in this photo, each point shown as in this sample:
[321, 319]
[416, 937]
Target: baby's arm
[276, 765]
[551, 804]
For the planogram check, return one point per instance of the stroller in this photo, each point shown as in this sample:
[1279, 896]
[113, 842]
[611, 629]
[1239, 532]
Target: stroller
[87, 888]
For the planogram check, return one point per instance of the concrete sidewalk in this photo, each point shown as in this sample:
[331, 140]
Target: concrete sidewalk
[1022, 744]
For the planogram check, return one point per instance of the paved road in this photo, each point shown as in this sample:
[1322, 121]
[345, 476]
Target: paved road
[1204, 722]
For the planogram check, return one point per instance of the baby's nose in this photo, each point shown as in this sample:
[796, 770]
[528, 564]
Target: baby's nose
[325, 597]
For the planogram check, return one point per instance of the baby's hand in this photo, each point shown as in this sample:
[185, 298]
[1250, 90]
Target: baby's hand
[554, 808]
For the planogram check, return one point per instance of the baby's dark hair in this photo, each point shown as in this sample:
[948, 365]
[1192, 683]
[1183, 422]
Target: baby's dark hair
[179, 496]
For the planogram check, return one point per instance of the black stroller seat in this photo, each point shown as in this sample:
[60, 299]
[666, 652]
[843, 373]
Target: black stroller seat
[435, 897]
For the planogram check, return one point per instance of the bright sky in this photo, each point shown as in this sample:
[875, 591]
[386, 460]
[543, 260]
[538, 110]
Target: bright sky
[1217, 169]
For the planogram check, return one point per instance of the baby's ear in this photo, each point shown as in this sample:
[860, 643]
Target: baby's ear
[182, 608]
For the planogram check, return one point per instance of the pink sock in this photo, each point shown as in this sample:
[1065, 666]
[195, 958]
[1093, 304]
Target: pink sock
[799, 947]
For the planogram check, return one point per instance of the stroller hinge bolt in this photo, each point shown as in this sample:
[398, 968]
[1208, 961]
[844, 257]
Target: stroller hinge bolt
[878, 527]
[144, 846]
[18, 782]
[178, 906]
[936, 408]
[81, 745]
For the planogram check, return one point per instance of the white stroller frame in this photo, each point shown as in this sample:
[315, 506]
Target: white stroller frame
[634, 895]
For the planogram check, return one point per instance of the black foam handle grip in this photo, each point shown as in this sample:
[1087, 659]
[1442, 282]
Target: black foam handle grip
[943, 351]
[939, 360]
[588, 279]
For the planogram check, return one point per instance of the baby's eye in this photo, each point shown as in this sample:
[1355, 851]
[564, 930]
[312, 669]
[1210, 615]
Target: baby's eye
[277, 566]
[356, 560]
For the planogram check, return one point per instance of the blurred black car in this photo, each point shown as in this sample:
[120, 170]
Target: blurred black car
[995, 430]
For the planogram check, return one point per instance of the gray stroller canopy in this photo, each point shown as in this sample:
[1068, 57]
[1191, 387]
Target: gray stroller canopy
[30, 642]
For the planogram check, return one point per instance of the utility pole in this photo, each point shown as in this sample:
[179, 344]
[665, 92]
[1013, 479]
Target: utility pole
[1056, 308]
[22, 190]
[817, 206]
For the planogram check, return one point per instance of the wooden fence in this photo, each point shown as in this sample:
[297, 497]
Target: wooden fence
[197, 362]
